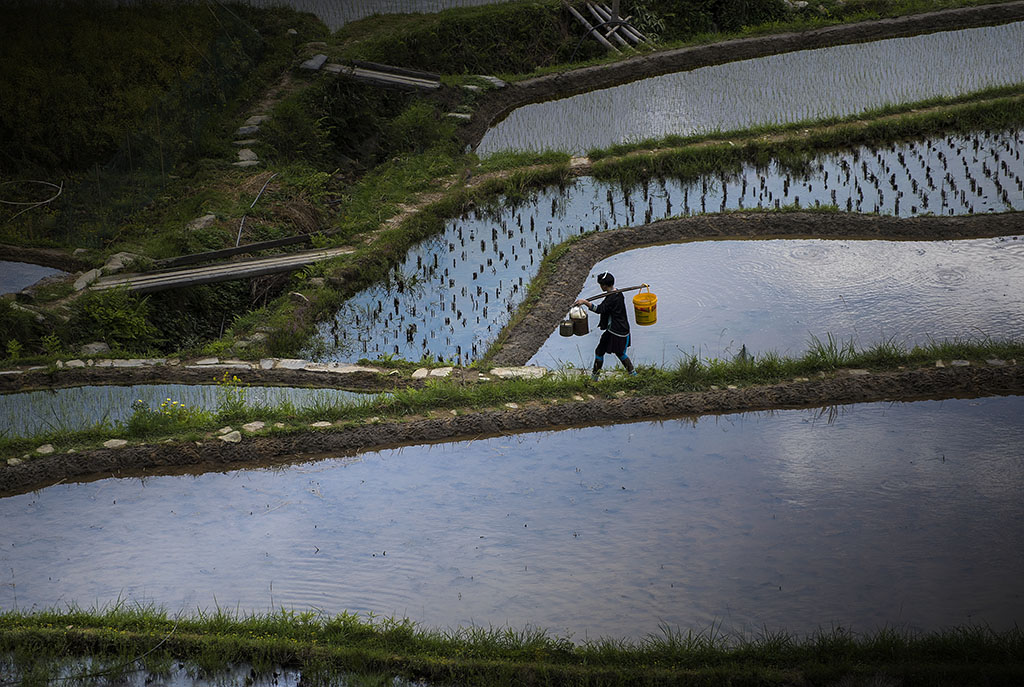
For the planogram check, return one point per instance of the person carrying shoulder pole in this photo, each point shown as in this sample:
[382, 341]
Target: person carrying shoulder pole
[614, 322]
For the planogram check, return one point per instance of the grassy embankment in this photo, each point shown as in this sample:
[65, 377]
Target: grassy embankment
[36, 647]
[348, 158]
[172, 420]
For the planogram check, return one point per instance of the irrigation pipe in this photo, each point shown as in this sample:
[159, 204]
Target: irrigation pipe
[32, 204]
[242, 223]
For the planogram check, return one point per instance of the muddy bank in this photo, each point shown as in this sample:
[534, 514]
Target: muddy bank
[519, 342]
[212, 454]
[543, 88]
[34, 380]
[47, 257]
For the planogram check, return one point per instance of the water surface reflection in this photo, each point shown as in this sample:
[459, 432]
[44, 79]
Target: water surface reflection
[778, 89]
[794, 520]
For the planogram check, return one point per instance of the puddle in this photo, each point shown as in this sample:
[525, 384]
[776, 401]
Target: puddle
[187, 674]
[81, 407]
[789, 520]
[716, 296]
[778, 89]
[15, 276]
[453, 293]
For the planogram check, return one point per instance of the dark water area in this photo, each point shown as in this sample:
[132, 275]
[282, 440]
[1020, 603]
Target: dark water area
[779, 89]
[715, 297]
[82, 407]
[15, 276]
[454, 292]
[905, 515]
[337, 14]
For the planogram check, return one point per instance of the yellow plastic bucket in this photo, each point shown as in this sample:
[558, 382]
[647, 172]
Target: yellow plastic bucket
[645, 308]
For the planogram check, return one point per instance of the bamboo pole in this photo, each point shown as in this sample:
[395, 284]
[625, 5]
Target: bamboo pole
[613, 31]
[590, 29]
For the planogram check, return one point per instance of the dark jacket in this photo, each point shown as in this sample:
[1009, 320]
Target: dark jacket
[613, 314]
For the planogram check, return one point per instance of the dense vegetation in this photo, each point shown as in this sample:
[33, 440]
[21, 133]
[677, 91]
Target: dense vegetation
[142, 146]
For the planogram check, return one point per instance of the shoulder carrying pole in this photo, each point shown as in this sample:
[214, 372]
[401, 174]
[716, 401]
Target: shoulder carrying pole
[623, 290]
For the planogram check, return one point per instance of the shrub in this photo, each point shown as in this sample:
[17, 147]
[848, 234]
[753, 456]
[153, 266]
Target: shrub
[116, 317]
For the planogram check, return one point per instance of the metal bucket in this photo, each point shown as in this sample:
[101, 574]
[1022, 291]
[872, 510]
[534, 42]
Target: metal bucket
[578, 317]
[565, 328]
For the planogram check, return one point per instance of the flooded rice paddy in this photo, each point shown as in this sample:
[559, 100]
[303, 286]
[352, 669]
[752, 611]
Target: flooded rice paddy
[453, 293]
[791, 520]
[716, 296]
[778, 89]
[77, 408]
[15, 276]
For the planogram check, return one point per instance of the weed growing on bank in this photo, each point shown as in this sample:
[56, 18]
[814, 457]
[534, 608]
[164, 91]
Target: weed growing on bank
[50, 645]
[692, 373]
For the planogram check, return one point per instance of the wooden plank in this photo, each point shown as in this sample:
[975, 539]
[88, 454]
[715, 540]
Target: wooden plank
[194, 258]
[193, 276]
[388, 69]
[590, 29]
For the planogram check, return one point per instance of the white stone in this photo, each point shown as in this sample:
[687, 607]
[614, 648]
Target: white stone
[266, 363]
[201, 222]
[207, 361]
[321, 424]
[939, 363]
[441, 371]
[245, 142]
[577, 398]
[135, 362]
[314, 63]
[14, 461]
[525, 372]
[93, 348]
[256, 119]
[246, 163]
[857, 373]
[115, 443]
[348, 368]
[118, 261]
[86, 279]
[279, 425]
[732, 387]
[290, 364]
[420, 373]
[225, 430]
[373, 420]
[45, 449]
[620, 393]
[996, 362]
[460, 116]
[254, 426]
[513, 406]
[231, 437]
[75, 363]
[484, 378]
[455, 413]
[961, 363]
[247, 155]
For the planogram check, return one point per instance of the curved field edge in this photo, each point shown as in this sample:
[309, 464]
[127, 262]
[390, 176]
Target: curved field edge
[322, 646]
[564, 271]
[427, 217]
[549, 87]
[453, 411]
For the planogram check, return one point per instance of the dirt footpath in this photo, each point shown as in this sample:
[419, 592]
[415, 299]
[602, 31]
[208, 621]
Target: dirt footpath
[543, 88]
[212, 454]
